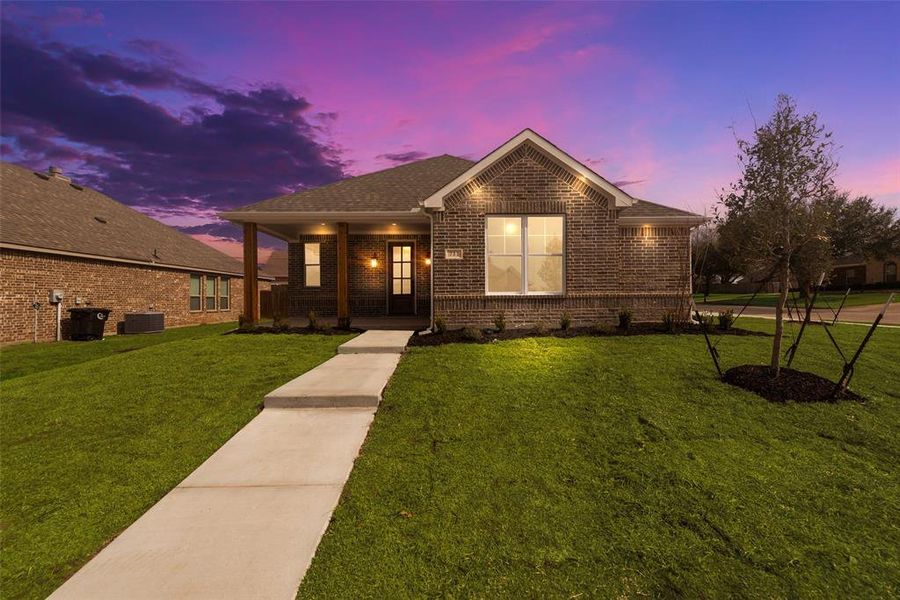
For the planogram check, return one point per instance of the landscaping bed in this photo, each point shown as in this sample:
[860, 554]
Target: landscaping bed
[296, 330]
[790, 385]
[484, 336]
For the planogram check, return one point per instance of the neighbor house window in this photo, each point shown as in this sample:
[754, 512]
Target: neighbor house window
[890, 272]
[210, 293]
[312, 265]
[224, 293]
[195, 293]
[525, 255]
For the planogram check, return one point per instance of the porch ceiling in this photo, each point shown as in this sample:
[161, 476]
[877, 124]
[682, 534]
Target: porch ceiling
[289, 226]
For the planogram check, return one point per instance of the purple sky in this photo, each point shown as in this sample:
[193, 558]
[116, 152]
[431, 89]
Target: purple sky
[186, 109]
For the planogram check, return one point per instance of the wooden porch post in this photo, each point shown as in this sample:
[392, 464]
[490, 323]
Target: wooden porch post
[251, 275]
[343, 284]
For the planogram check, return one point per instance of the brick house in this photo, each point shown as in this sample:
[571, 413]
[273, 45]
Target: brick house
[56, 235]
[527, 231]
[856, 270]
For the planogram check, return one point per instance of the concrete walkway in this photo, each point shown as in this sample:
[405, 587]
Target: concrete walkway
[247, 522]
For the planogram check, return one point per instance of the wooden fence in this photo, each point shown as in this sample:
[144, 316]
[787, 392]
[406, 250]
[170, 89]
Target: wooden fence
[273, 302]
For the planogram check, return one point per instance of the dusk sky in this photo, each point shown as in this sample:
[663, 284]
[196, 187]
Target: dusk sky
[182, 110]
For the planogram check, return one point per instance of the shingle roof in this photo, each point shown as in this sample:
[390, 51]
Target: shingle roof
[54, 214]
[396, 189]
[644, 208]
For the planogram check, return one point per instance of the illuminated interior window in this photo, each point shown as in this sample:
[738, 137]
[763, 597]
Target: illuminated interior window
[312, 265]
[525, 255]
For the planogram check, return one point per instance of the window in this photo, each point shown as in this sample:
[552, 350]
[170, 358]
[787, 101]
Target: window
[890, 272]
[525, 255]
[210, 293]
[195, 293]
[224, 293]
[312, 265]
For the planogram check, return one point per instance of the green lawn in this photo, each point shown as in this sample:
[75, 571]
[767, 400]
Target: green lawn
[87, 447]
[620, 467]
[824, 299]
[23, 359]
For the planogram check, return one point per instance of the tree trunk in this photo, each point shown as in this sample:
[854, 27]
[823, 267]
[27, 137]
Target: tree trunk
[783, 279]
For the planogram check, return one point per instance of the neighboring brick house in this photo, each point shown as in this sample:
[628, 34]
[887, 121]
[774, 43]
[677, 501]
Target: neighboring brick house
[527, 231]
[56, 235]
[855, 270]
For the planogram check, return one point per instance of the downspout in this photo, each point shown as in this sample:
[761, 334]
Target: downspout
[431, 270]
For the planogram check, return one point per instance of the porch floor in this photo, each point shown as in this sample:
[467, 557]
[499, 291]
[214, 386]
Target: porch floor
[412, 323]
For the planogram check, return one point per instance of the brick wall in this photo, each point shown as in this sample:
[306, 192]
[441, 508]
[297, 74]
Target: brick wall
[29, 276]
[607, 268]
[367, 285]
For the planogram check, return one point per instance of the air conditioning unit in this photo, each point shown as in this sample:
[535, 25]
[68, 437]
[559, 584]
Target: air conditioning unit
[145, 322]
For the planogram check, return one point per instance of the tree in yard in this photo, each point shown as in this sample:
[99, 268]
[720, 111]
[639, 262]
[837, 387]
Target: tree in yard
[776, 219]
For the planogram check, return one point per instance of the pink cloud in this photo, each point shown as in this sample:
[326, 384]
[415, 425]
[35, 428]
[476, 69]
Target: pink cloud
[231, 247]
[878, 178]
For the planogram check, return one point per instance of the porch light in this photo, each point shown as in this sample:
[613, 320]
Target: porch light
[428, 260]
[373, 262]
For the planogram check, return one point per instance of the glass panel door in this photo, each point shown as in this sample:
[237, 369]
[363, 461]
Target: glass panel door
[401, 279]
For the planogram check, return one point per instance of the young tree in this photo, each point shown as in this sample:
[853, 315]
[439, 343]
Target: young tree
[777, 212]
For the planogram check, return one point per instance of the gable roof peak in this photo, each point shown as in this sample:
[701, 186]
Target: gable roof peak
[622, 199]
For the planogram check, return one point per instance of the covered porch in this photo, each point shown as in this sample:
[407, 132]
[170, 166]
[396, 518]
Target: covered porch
[365, 270]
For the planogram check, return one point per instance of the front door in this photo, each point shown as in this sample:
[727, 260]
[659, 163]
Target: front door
[401, 279]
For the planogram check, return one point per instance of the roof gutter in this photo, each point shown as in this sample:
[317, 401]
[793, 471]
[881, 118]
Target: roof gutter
[128, 261]
[286, 217]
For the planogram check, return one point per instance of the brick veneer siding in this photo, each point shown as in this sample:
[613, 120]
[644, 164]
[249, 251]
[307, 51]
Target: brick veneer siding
[367, 285]
[607, 268]
[29, 276]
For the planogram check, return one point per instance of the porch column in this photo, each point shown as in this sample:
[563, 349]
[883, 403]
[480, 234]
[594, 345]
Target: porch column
[251, 275]
[343, 280]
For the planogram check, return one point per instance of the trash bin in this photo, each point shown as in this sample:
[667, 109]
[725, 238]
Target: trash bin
[88, 323]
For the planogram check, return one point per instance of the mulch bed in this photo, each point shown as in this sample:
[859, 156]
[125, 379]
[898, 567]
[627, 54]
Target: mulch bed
[463, 336]
[295, 330]
[790, 386]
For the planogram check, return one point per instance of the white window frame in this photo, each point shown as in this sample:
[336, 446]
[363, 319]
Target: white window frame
[224, 283]
[306, 265]
[199, 296]
[215, 295]
[523, 231]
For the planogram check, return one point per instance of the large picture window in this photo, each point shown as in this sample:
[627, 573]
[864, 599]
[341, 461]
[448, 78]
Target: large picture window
[224, 293]
[195, 299]
[210, 293]
[525, 255]
[312, 265]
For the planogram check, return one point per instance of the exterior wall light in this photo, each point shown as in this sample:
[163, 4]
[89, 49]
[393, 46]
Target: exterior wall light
[428, 260]
[373, 262]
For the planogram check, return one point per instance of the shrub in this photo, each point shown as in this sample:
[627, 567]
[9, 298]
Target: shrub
[280, 323]
[440, 325]
[313, 319]
[565, 321]
[500, 322]
[603, 328]
[624, 319]
[471, 334]
[726, 319]
[540, 329]
[669, 322]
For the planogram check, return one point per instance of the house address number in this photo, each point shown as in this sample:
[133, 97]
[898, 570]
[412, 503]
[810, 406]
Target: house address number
[454, 254]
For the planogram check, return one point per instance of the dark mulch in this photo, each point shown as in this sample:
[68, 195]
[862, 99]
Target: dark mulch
[791, 385]
[463, 336]
[296, 330]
